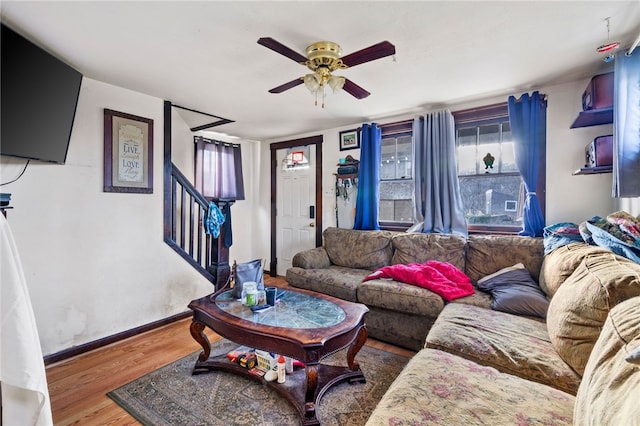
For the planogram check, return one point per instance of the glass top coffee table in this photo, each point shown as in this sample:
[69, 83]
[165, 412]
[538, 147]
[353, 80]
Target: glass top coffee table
[303, 325]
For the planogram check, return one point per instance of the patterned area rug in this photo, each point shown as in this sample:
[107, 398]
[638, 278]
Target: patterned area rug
[172, 396]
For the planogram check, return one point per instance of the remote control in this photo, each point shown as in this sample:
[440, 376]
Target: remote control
[260, 308]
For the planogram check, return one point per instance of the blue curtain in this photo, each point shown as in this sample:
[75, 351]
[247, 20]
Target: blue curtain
[368, 198]
[626, 134]
[528, 120]
[438, 203]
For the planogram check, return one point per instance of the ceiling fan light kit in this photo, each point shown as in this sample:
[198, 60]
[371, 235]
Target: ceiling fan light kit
[323, 58]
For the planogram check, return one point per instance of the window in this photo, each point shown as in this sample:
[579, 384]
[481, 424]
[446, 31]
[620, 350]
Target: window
[490, 184]
[396, 176]
[218, 169]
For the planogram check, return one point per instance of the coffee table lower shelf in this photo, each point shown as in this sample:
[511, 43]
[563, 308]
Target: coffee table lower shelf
[295, 387]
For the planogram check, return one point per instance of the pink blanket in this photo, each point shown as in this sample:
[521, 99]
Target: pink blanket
[442, 278]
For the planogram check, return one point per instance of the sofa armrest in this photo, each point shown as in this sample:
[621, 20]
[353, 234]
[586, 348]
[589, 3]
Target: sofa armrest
[316, 258]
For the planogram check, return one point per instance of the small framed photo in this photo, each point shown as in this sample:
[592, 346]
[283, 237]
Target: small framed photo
[128, 153]
[349, 139]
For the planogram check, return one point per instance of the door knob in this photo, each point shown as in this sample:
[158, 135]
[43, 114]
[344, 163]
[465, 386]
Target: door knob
[312, 224]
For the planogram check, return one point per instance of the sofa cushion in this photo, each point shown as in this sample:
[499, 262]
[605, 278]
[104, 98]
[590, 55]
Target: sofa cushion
[487, 254]
[610, 389]
[558, 265]
[335, 281]
[580, 307]
[358, 249]
[399, 328]
[436, 387]
[315, 258]
[419, 248]
[479, 298]
[514, 291]
[512, 344]
[400, 297]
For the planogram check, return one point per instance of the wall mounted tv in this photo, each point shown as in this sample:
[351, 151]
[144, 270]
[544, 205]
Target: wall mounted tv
[39, 94]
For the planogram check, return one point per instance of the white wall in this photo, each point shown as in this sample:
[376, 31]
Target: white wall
[572, 198]
[569, 198]
[95, 262]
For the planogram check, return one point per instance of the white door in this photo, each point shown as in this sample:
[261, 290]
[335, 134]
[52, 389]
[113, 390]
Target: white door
[295, 200]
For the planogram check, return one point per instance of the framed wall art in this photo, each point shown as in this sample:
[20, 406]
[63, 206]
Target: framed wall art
[128, 153]
[349, 139]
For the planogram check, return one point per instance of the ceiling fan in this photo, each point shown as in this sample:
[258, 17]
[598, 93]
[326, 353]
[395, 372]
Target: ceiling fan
[323, 58]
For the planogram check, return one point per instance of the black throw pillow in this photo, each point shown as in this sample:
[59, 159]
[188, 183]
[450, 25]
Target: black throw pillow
[515, 291]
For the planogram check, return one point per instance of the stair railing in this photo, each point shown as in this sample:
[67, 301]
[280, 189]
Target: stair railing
[183, 230]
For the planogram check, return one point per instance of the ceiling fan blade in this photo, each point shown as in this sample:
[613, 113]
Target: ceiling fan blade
[354, 90]
[287, 86]
[371, 53]
[280, 48]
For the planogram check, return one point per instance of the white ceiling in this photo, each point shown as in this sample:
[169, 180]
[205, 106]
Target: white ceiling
[204, 55]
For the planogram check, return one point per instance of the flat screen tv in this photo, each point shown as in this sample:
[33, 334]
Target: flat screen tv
[39, 94]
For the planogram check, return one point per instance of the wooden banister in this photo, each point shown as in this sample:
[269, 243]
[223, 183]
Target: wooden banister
[183, 231]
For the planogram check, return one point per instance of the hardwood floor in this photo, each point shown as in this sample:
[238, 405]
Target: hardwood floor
[78, 386]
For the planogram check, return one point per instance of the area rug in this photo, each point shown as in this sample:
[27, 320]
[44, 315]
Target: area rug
[172, 396]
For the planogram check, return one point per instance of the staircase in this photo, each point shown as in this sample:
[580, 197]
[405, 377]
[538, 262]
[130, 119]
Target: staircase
[184, 211]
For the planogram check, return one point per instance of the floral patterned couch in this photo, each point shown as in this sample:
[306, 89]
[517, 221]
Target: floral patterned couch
[400, 313]
[481, 366]
[581, 366]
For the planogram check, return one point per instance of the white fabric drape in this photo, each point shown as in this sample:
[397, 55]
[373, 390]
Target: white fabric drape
[626, 134]
[25, 395]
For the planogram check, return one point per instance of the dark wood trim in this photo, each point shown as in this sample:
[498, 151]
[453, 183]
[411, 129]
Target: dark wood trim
[396, 128]
[166, 168]
[219, 122]
[319, 208]
[77, 350]
[274, 147]
[395, 226]
[273, 262]
[484, 112]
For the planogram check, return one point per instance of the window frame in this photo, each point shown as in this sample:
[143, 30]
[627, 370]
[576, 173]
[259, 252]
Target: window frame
[489, 114]
[398, 129]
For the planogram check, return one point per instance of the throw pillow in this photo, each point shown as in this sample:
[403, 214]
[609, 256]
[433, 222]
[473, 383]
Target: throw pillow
[514, 291]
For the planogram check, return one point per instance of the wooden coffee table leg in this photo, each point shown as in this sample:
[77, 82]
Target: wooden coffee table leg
[197, 332]
[310, 395]
[355, 347]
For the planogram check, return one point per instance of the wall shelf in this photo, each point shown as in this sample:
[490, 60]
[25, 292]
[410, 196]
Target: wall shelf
[593, 117]
[593, 170]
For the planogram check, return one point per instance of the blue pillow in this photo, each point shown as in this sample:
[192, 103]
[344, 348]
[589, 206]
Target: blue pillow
[514, 291]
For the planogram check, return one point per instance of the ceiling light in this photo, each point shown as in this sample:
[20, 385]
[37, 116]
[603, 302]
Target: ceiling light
[321, 78]
[336, 83]
[312, 82]
[324, 58]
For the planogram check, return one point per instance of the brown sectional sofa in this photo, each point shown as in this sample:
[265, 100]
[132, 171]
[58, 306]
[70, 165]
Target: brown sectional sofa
[400, 313]
[475, 365]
